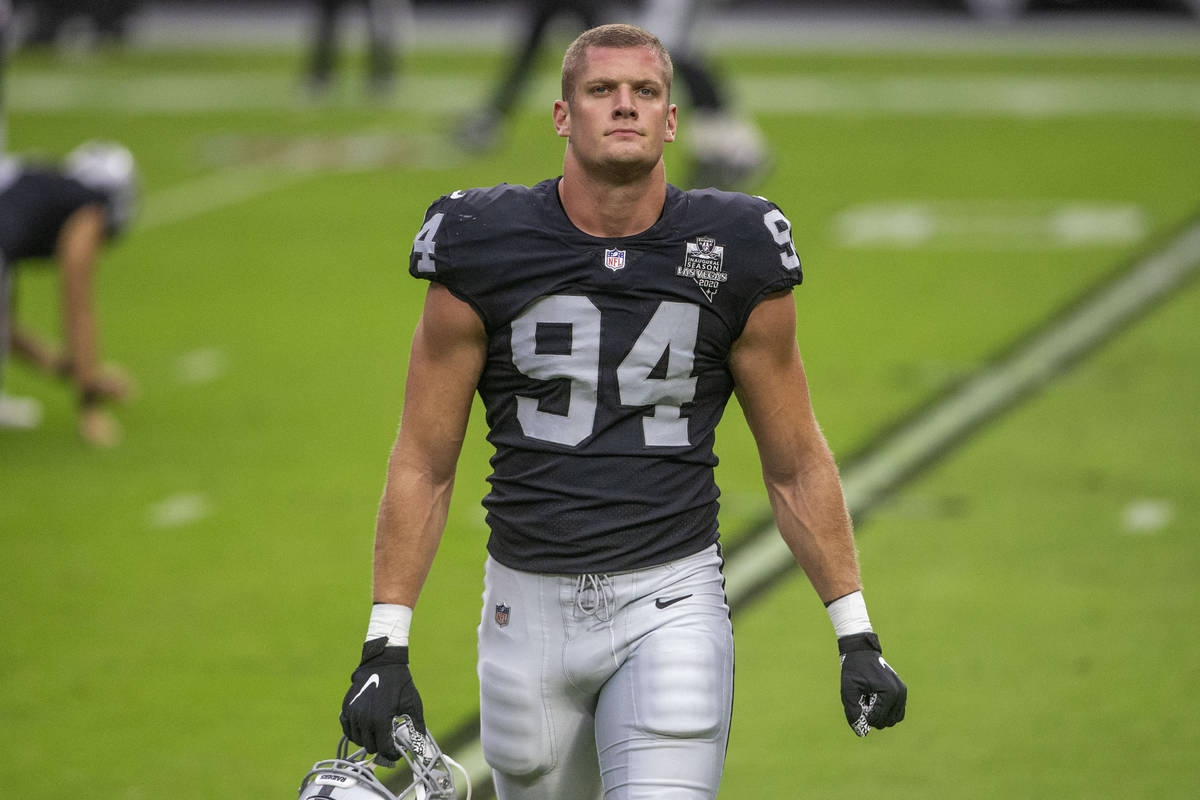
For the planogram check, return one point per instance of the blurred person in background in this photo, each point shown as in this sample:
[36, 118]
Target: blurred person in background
[21, 412]
[5, 19]
[99, 21]
[726, 148]
[65, 214]
[383, 17]
[481, 130]
[605, 318]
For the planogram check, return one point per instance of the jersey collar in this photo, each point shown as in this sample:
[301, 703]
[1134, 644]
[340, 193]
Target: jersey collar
[674, 203]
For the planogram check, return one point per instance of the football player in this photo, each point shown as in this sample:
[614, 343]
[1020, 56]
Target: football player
[727, 148]
[480, 131]
[381, 22]
[605, 317]
[67, 213]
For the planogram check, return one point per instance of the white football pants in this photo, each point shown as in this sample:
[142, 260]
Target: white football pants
[618, 683]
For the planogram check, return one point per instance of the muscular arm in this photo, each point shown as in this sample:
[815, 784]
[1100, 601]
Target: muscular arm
[798, 467]
[806, 496]
[448, 352]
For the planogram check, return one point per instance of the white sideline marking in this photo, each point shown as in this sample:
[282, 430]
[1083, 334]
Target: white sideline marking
[1147, 516]
[493, 27]
[20, 412]
[1034, 96]
[990, 224]
[1021, 96]
[1037, 362]
[346, 152]
[209, 193]
[201, 366]
[177, 510]
[251, 167]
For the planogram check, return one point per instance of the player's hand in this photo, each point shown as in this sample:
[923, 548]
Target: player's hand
[98, 427]
[873, 695]
[381, 689]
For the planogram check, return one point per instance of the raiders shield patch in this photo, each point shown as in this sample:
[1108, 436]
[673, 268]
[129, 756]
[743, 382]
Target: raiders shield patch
[704, 262]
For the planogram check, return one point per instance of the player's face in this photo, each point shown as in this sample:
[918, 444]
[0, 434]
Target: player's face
[620, 116]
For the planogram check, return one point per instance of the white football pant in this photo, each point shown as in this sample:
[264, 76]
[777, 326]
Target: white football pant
[618, 683]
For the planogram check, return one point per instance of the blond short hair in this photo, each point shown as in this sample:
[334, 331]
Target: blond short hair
[616, 36]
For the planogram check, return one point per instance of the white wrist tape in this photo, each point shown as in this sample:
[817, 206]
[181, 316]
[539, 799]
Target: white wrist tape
[391, 621]
[849, 615]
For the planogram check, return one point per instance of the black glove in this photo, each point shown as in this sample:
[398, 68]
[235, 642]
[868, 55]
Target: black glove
[381, 689]
[872, 693]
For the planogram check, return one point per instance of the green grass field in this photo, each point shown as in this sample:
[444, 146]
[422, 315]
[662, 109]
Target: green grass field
[180, 614]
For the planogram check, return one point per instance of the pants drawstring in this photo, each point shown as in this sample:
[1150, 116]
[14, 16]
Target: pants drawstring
[595, 597]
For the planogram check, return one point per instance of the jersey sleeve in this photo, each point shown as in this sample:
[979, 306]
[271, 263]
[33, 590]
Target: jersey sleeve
[484, 246]
[430, 257]
[433, 249]
[761, 256]
[785, 272]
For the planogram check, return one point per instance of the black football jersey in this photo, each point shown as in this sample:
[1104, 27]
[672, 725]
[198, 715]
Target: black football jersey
[35, 203]
[607, 366]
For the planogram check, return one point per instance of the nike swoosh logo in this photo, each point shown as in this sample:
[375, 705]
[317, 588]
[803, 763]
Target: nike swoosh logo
[371, 681]
[660, 603]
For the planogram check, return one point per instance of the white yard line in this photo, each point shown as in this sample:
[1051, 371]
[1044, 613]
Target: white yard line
[1021, 96]
[275, 165]
[209, 193]
[1034, 95]
[991, 224]
[178, 510]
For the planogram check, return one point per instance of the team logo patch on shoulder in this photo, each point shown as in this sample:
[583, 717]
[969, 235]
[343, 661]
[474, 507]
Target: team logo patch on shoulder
[502, 614]
[614, 259]
[704, 262]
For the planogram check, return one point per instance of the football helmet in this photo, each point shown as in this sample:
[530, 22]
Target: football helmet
[108, 168]
[351, 776]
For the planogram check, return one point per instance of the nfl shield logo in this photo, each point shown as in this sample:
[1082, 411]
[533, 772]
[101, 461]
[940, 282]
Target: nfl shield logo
[502, 612]
[614, 259]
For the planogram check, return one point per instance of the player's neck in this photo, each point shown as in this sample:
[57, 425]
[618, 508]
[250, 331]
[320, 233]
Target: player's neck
[612, 210]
